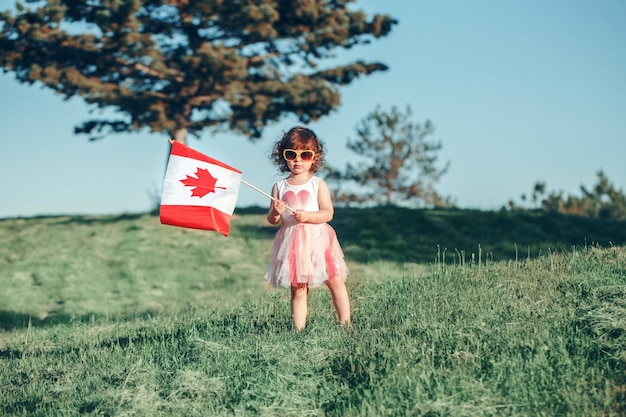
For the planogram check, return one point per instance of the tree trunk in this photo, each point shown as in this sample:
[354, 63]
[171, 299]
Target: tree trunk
[180, 135]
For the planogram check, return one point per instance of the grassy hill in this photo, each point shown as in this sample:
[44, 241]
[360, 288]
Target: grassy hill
[421, 236]
[456, 313]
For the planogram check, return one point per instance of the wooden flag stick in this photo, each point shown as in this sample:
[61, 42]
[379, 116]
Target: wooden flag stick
[264, 193]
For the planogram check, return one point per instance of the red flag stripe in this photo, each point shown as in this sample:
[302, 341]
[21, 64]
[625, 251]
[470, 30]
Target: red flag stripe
[196, 217]
[185, 151]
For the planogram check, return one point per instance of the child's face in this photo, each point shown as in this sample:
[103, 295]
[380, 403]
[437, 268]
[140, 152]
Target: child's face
[299, 160]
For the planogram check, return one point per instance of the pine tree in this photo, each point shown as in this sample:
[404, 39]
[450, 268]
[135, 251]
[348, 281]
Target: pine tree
[180, 66]
[396, 164]
[603, 201]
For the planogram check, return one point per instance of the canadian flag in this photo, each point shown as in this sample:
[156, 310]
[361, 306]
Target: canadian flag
[199, 192]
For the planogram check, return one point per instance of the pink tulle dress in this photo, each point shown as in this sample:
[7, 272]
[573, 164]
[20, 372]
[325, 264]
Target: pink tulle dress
[304, 253]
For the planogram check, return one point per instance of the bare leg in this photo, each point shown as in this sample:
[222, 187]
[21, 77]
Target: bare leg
[341, 300]
[299, 306]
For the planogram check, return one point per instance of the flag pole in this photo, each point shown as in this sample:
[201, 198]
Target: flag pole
[264, 193]
[171, 141]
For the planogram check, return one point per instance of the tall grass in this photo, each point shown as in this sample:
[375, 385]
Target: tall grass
[405, 235]
[515, 337]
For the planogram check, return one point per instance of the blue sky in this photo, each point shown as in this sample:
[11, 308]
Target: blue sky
[518, 92]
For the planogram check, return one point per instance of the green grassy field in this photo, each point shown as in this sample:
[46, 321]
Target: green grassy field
[456, 313]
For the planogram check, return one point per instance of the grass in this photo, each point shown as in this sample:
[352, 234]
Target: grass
[120, 316]
[405, 235]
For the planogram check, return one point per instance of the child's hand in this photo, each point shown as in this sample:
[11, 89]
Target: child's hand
[302, 216]
[279, 206]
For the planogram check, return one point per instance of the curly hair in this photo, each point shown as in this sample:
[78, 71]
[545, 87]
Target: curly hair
[298, 138]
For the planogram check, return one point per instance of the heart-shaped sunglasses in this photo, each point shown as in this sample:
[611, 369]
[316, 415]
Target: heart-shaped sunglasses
[292, 154]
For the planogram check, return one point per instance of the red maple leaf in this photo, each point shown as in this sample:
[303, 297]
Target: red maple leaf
[203, 183]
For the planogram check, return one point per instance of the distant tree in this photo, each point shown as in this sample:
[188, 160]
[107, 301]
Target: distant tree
[539, 189]
[604, 200]
[179, 66]
[395, 163]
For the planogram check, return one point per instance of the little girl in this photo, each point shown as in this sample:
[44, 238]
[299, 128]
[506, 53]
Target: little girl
[306, 252]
